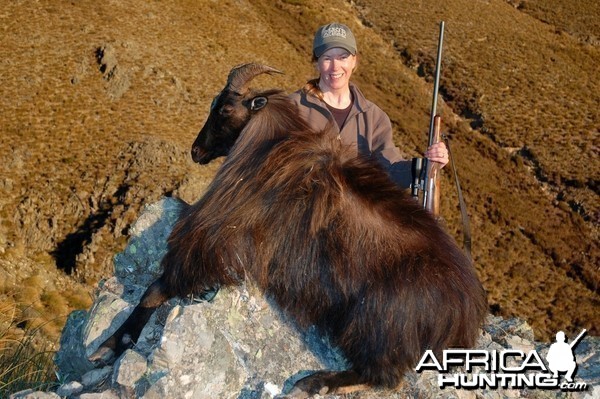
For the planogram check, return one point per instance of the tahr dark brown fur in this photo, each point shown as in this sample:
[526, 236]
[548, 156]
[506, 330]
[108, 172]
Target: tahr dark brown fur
[328, 236]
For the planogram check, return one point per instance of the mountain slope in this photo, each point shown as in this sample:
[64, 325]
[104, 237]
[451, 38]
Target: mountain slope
[101, 102]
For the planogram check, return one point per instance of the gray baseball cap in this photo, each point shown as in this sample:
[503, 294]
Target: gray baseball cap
[333, 35]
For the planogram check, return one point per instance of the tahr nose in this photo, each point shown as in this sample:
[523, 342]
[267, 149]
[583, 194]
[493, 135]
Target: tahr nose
[197, 154]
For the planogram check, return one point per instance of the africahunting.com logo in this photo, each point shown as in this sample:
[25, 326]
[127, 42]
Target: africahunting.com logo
[509, 368]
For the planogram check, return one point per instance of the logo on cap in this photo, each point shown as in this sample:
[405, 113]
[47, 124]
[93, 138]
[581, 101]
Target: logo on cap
[334, 31]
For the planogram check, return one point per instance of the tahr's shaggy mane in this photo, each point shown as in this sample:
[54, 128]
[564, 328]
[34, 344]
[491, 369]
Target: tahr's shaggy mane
[326, 234]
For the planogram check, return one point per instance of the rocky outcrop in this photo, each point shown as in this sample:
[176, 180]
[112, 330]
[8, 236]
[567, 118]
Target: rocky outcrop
[239, 345]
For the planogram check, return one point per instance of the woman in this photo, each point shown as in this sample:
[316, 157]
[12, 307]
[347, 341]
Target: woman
[360, 123]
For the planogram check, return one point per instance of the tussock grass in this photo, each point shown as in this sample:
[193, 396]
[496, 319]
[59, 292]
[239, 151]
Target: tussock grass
[25, 360]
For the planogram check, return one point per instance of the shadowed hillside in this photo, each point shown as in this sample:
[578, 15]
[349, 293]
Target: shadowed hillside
[101, 102]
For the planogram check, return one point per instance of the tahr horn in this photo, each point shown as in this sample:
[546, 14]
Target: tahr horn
[241, 75]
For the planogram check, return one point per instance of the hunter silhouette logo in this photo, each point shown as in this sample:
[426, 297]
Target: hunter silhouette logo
[508, 368]
[560, 356]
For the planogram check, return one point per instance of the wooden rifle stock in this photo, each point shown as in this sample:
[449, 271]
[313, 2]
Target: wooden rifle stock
[432, 185]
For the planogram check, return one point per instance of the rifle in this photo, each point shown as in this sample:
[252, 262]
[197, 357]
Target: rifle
[425, 172]
[576, 340]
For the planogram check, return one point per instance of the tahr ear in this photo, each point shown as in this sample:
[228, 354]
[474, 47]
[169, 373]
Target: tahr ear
[258, 103]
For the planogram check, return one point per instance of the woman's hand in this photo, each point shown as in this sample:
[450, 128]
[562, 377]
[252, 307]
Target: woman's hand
[438, 153]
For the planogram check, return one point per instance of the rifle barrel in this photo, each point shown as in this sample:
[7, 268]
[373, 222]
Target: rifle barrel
[576, 340]
[436, 84]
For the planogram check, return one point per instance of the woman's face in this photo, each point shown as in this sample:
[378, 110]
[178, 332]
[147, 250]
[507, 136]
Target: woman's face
[335, 67]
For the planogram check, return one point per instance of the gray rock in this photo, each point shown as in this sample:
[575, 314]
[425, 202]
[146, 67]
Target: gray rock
[240, 345]
[102, 395]
[139, 263]
[129, 369]
[71, 359]
[96, 377]
[31, 394]
[70, 389]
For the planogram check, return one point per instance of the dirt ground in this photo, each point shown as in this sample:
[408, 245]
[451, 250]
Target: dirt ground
[102, 100]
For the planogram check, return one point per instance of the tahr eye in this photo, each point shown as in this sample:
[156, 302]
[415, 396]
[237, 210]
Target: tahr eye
[225, 110]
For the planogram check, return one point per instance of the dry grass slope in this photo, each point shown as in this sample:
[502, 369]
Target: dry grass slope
[101, 102]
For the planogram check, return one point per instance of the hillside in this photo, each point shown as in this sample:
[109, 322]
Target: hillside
[101, 102]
